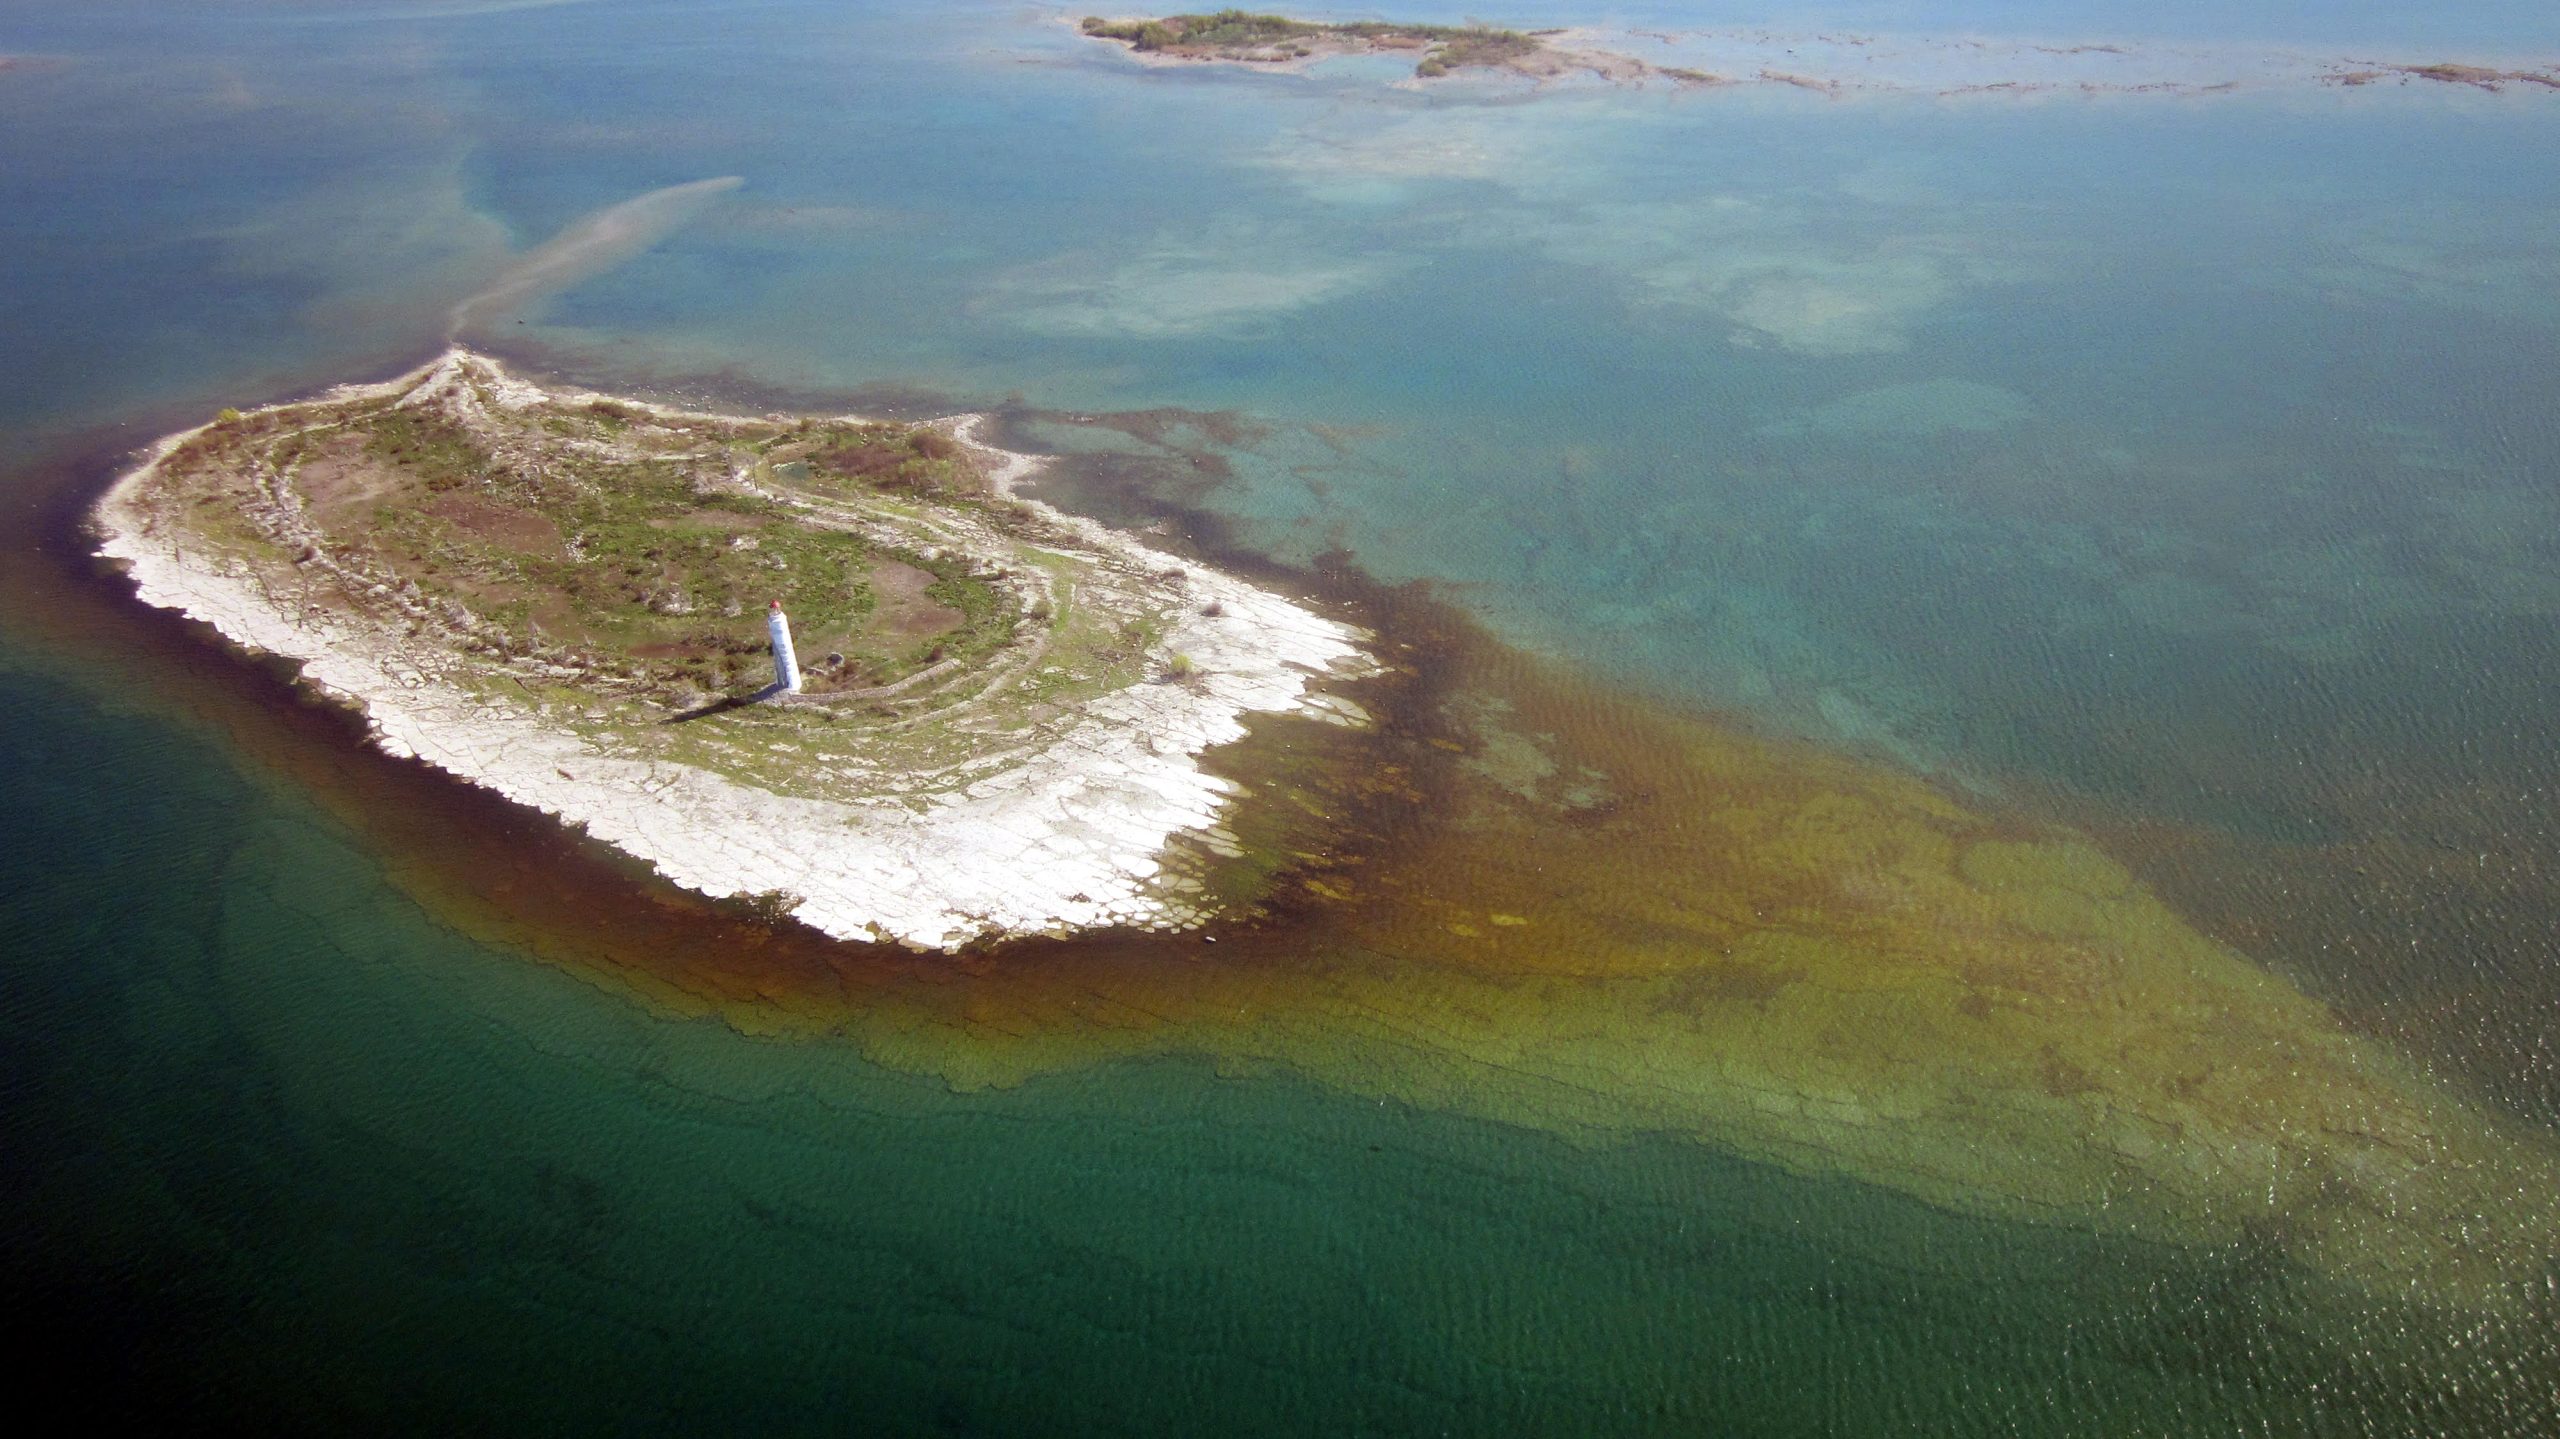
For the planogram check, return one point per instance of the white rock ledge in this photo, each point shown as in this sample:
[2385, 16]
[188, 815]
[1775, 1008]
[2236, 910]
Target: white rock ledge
[1071, 837]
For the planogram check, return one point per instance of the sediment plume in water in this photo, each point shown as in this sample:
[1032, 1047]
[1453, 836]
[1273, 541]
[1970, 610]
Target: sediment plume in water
[594, 244]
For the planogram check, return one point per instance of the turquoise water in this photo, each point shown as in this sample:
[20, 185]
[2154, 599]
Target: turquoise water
[2181, 468]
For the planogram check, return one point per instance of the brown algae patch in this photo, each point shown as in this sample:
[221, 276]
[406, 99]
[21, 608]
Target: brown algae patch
[1836, 968]
[1514, 897]
[1790, 955]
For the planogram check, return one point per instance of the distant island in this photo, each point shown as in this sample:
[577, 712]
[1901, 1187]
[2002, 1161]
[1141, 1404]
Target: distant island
[1837, 64]
[566, 596]
[1247, 37]
[2478, 77]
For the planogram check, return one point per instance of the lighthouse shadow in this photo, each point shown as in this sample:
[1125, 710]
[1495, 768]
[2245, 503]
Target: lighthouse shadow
[723, 705]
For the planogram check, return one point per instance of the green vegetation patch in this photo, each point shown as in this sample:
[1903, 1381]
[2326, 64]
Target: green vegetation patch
[651, 562]
[1219, 30]
[610, 566]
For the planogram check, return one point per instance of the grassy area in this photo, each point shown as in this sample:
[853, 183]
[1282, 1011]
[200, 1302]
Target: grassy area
[1490, 49]
[642, 566]
[610, 566]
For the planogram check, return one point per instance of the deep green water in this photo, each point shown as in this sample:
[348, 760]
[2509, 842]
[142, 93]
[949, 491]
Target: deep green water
[285, 1152]
[2187, 466]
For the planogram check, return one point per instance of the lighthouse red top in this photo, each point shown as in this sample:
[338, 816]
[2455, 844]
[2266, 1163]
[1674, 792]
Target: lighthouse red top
[774, 605]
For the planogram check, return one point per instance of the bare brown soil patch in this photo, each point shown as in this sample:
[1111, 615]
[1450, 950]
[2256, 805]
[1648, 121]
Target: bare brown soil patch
[342, 482]
[502, 525]
[903, 607]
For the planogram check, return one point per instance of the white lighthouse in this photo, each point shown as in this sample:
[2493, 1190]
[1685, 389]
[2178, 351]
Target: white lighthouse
[786, 665]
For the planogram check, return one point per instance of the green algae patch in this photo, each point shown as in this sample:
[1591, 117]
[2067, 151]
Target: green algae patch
[1838, 969]
[1768, 949]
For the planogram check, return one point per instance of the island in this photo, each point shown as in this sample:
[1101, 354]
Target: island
[2478, 77]
[1246, 37]
[1834, 64]
[992, 725]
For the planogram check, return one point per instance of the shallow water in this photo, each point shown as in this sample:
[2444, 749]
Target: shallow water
[2183, 472]
[309, 1157]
